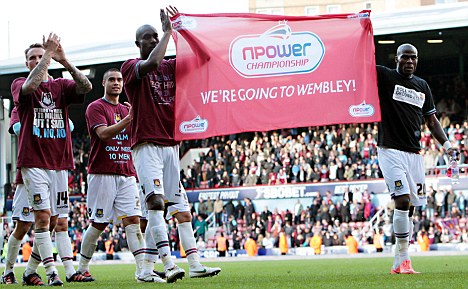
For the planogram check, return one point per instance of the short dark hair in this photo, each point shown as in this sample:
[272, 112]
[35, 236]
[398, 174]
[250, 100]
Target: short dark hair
[109, 71]
[35, 45]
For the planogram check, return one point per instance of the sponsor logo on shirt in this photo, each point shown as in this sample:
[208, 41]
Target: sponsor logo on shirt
[409, 96]
[196, 125]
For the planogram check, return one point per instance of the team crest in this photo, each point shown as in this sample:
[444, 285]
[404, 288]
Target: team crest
[47, 101]
[99, 213]
[117, 117]
[37, 200]
[157, 183]
[398, 185]
[26, 212]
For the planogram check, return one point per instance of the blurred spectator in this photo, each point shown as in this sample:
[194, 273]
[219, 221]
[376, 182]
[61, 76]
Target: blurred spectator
[378, 240]
[222, 245]
[26, 251]
[423, 241]
[110, 248]
[201, 227]
[218, 209]
[283, 243]
[239, 211]
[351, 243]
[251, 247]
[316, 243]
[202, 208]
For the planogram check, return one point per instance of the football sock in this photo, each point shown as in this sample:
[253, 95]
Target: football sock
[12, 253]
[411, 228]
[65, 252]
[33, 261]
[88, 246]
[157, 225]
[151, 253]
[136, 244]
[44, 244]
[401, 228]
[188, 242]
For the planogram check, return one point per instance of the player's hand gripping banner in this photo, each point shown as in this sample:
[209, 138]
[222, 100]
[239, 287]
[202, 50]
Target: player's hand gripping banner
[253, 72]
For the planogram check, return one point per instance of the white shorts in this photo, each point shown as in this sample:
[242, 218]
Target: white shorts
[158, 170]
[47, 189]
[404, 174]
[112, 198]
[22, 211]
[172, 208]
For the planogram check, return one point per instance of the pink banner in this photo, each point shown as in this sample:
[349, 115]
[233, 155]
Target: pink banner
[253, 72]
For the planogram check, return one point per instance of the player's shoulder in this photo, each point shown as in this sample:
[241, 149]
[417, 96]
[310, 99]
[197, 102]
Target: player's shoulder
[22, 78]
[129, 62]
[96, 104]
[18, 80]
[384, 69]
[419, 79]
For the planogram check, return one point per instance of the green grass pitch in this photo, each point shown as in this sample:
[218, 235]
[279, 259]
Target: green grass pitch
[437, 272]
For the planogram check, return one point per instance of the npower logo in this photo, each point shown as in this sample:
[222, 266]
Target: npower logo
[278, 51]
[361, 110]
[195, 125]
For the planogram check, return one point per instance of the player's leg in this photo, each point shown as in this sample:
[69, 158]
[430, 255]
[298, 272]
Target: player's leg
[24, 218]
[127, 203]
[62, 240]
[417, 196]
[38, 183]
[101, 195]
[391, 164]
[151, 252]
[181, 210]
[150, 161]
[65, 251]
[88, 247]
[411, 224]
[13, 246]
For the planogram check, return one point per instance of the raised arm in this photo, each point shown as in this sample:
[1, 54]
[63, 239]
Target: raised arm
[39, 73]
[158, 53]
[83, 85]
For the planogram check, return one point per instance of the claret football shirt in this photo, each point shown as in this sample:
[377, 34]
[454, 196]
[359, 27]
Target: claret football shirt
[45, 139]
[112, 156]
[152, 97]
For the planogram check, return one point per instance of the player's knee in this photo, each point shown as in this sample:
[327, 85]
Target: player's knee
[183, 217]
[21, 229]
[155, 202]
[133, 220]
[42, 219]
[99, 226]
[62, 225]
[402, 202]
